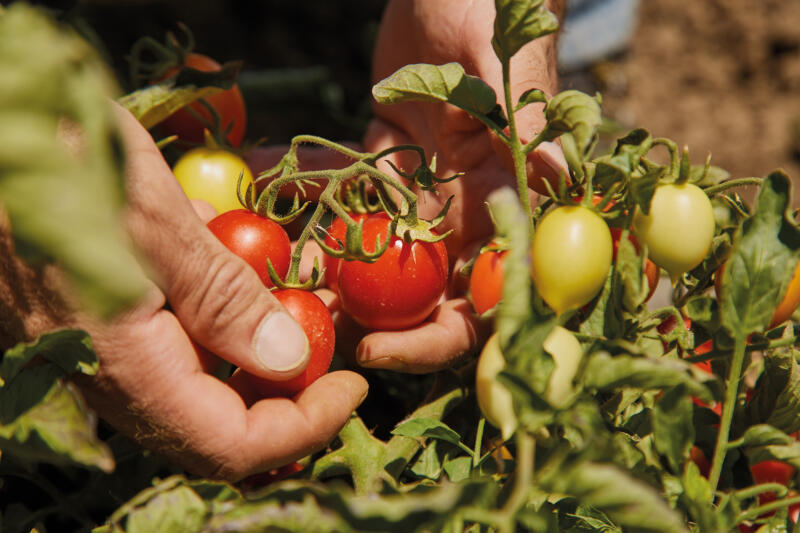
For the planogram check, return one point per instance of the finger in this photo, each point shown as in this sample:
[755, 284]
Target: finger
[164, 400]
[204, 210]
[218, 298]
[449, 334]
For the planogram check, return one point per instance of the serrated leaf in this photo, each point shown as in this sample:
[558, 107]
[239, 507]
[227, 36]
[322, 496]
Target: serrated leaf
[673, 436]
[427, 428]
[608, 373]
[518, 22]
[765, 252]
[576, 113]
[437, 83]
[458, 468]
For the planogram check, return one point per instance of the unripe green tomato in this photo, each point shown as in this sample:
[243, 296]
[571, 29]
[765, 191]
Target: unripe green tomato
[212, 175]
[495, 401]
[567, 353]
[679, 228]
[571, 255]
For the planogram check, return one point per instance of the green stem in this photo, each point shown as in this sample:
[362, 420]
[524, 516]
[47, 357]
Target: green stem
[476, 453]
[754, 347]
[515, 145]
[321, 141]
[731, 392]
[772, 506]
[523, 476]
[751, 492]
[714, 189]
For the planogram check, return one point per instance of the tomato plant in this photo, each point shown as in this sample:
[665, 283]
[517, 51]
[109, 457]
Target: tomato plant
[401, 288]
[678, 229]
[315, 319]
[571, 255]
[228, 105]
[651, 270]
[255, 239]
[486, 280]
[213, 175]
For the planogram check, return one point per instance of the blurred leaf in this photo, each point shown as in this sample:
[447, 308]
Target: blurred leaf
[607, 373]
[713, 176]
[69, 349]
[55, 87]
[428, 465]
[179, 510]
[765, 252]
[518, 22]
[673, 436]
[439, 83]
[629, 503]
[764, 435]
[458, 468]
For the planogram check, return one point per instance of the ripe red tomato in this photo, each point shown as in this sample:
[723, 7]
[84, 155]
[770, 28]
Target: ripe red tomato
[315, 319]
[401, 288]
[255, 239]
[228, 104]
[786, 306]
[650, 268]
[486, 280]
[774, 472]
[337, 231]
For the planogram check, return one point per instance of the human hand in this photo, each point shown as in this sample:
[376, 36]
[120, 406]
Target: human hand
[152, 383]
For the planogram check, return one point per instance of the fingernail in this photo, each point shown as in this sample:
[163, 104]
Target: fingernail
[384, 362]
[280, 344]
[552, 156]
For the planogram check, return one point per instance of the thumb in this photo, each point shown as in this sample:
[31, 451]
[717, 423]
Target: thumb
[218, 298]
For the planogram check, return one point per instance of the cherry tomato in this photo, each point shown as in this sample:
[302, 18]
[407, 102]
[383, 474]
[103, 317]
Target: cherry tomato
[337, 231]
[494, 399]
[212, 175]
[401, 288]
[774, 472]
[679, 228]
[255, 239]
[650, 268]
[315, 319]
[486, 280]
[571, 254]
[228, 104]
[699, 458]
[787, 305]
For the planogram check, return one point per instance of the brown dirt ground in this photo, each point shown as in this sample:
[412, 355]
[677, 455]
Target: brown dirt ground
[721, 76]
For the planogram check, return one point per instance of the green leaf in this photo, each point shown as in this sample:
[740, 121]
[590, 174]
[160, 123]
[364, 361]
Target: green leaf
[154, 103]
[673, 436]
[44, 419]
[63, 207]
[763, 435]
[630, 266]
[439, 83]
[427, 428]
[518, 22]
[617, 167]
[458, 468]
[428, 465]
[531, 96]
[179, 510]
[644, 187]
[776, 398]
[629, 503]
[765, 252]
[576, 113]
[787, 453]
[69, 349]
[607, 373]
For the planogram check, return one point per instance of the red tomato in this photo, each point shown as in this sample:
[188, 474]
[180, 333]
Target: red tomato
[486, 280]
[401, 288]
[786, 306]
[773, 472]
[228, 104]
[262, 479]
[699, 458]
[650, 268]
[338, 230]
[315, 319]
[255, 239]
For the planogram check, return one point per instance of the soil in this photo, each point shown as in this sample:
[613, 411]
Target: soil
[721, 76]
